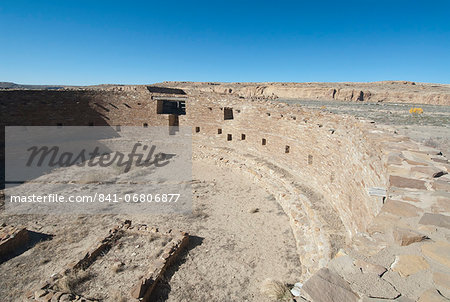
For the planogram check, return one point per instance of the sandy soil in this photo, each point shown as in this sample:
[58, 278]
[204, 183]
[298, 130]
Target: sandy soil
[240, 237]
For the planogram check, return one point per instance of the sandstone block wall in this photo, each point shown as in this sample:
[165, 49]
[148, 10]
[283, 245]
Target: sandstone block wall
[320, 167]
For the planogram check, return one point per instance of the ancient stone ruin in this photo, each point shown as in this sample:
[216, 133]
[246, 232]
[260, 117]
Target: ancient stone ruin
[369, 209]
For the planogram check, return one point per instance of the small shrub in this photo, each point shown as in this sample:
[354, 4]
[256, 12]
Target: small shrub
[276, 290]
[70, 282]
[118, 297]
[416, 111]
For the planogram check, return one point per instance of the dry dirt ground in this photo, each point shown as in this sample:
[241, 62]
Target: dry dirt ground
[240, 237]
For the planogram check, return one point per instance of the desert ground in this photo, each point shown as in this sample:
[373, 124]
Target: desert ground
[242, 237]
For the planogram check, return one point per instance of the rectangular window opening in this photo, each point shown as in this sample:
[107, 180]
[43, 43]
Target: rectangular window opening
[227, 113]
[171, 107]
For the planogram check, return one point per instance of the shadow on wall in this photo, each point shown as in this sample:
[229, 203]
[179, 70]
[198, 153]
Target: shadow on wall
[46, 108]
[166, 90]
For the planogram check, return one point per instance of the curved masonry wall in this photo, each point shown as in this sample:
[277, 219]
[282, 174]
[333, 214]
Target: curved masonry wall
[321, 183]
[319, 166]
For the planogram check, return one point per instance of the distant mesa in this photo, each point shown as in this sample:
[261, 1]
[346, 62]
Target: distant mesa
[10, 85]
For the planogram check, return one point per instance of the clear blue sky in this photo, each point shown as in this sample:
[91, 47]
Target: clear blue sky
[139, 42]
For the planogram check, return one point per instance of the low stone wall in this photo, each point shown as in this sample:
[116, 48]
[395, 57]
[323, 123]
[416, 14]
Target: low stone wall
[11, 240]
[141, 291]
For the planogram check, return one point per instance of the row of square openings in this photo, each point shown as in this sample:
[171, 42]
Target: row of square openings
[227, 112]
[243, 137]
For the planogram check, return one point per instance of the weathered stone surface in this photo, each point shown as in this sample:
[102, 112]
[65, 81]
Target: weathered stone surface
[428, 229]
[441, 185]
[407, 265]
[361, 277]
[439, 220]
[406, 237]
[400, 208]
[56, 297]
[442, 204]
[326, 286]
[438, 251]
[373, 286]
[11, 239]
[431, 295]
[342, 265]
[442, 283]
[429, 170]
[371, 268]
[395, 158]
[403, 182]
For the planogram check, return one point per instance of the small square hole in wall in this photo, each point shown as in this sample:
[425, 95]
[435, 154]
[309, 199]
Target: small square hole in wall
[243, 137]
[197, 129]
[229, 137]
[264, 142]
[219, 131]
[227, 113]
[310, 159]
[287, 149]
[145, 125]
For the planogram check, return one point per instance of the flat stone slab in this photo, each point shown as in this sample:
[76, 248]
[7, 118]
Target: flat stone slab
[431, 295]
[439, 220]
[402, 209]
[441, 185]
[403, 182]
[326, 286]
[438, 251]
[367, 267]
[442, 282]
[407, 265]
[404, 237]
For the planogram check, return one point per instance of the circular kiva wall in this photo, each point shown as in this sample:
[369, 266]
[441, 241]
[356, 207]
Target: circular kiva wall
[319, 166]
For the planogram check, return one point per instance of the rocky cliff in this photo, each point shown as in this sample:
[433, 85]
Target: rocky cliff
[387, 91]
